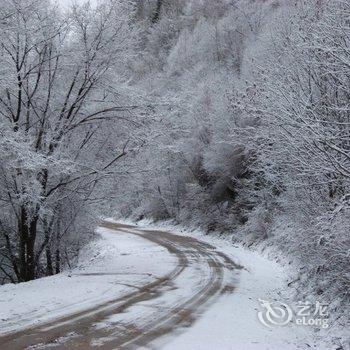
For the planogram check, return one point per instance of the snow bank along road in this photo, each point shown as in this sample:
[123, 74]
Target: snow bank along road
[160, 291]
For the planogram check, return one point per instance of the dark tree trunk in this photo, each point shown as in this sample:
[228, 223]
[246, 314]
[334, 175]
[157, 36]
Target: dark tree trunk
[58, 260]
[23, 237]
[27, 236]
[31, 265]
[49, 266]
[156, 15]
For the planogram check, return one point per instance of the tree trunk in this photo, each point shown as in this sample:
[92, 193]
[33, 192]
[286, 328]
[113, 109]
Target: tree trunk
[156, 14]
[58, 260]
[23, 237]
[49, 266]
[27, 237]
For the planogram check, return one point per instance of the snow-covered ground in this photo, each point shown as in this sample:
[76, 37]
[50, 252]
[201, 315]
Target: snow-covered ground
[116, 264]
[110, 267]
[232, 322]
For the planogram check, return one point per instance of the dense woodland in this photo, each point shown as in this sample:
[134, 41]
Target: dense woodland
[229, 115]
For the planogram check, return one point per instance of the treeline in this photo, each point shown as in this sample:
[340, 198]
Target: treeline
[64, 127]
[252, 129]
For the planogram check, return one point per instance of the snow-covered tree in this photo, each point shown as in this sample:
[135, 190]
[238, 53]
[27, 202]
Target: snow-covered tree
[58, 102]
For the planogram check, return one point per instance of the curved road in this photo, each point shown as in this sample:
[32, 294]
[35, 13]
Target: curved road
[161, 307]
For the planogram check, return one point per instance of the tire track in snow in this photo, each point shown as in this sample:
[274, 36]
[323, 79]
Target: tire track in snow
[78, 331]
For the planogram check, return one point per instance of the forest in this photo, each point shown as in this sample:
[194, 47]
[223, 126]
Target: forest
[227, 115]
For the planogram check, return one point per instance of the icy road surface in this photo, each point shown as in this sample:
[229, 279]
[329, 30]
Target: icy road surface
[148, 289]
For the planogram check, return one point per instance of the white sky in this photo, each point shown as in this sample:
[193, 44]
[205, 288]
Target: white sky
[66, 3]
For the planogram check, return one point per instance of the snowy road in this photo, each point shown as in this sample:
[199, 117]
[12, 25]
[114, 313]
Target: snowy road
[195, 275]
